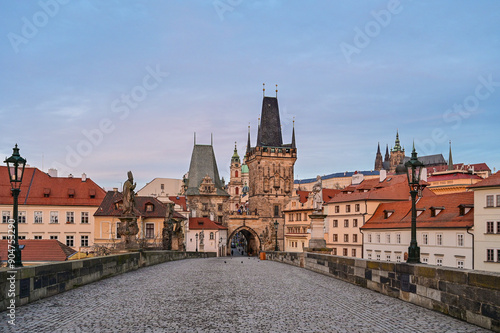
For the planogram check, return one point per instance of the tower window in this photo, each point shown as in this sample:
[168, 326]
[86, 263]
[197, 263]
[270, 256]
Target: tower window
[236, 173]
[276, 211]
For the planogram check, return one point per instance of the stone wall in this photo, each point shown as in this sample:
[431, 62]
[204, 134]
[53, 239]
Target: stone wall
[472, 296]
[35, 282]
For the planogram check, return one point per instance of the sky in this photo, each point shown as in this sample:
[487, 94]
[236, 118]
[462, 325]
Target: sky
[103, 87]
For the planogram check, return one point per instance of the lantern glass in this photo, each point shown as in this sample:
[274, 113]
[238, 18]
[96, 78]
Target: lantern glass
[15, 166]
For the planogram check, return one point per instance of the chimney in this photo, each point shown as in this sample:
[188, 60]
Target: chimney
[52, 172]
[424, 175]
[84, 177]
[115, 189]
[383, 175]
[70, 175]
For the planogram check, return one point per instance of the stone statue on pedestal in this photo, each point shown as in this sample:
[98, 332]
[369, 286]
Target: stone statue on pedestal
[128, 226]
[168, 225]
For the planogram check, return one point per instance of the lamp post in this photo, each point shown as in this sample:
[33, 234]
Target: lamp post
[220, 247]
[196, 236]
[15, 166]
[413, 170]
[276, 224]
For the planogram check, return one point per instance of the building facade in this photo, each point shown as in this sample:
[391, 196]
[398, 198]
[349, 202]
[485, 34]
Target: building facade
[51, 207]
[487, 224]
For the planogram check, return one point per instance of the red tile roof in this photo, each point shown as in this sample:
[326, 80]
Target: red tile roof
[449, 217]
[178, 200]
[39, 250]
[200, 223]
[37, 185]
[328, 194]
[109, 207]
[452, 176]
[459, 166]
[491, 181]
[394, 187]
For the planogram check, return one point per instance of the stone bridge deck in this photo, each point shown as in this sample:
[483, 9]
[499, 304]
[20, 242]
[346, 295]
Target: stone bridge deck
[226, 295]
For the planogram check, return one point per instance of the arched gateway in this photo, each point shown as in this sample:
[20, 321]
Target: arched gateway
[252, 240]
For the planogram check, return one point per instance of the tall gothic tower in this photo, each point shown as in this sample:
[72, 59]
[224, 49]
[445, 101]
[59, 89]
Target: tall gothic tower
[397, 154]
[270, 164]
[378, 159]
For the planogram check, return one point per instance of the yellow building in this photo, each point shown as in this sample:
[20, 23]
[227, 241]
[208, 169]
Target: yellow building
[51, 207]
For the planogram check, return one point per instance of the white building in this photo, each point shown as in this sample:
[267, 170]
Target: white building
[205, 235]
[487, 223]
[444, 231]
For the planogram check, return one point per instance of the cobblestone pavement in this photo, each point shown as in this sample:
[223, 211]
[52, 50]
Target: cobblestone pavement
[226, 295]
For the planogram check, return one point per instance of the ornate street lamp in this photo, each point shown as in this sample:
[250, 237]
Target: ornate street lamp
[15, 166]
[413, 170]
[196, 242]
[276, 224]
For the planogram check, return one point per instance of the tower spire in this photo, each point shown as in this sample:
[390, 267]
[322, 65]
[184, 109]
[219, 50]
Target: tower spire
[248, 142]
[276, 91]
[263, 90]
[293, 134]
[450, 160]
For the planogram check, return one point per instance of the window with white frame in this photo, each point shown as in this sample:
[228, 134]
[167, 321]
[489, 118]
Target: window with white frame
[460, 239]
[355, 223]
[37, 237]
[22, 217]
[388, 238]
[84, 240]
[334, 251]
[70, 217]
[354, 238]
[425, 259]
[378, 238]
[489, 201]
[388, 257]
[346, 223]
[439, 261]
[369, 238]
[70, 240]
[356, 207]
[378, 256]
[335, 237]
[335, 223]
[439, 239]
[398, 238]
[5, 216]
[84, 217]
[369, 255]
[498, 200]
[337, 209]
[347, 208]
[490, 227]
[490, 255]
[398, 258]
[353, 252]
[38, 217]
[425, 238]
[211, 235]
[344, 252]
[460, 263]
[346, 238]
[54, 217]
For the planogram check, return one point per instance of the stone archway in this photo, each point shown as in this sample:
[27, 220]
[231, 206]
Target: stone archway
[253, 240]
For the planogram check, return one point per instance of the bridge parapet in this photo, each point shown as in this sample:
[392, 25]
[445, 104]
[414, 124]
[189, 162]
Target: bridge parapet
[35, 282]
[469, 295]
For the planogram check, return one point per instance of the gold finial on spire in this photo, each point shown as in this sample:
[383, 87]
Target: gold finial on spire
[293, 121]
[276, 91]
[264, 89]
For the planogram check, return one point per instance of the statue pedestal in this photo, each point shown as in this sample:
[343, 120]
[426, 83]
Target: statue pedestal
[127, 230]
[202, 248]
[317, 240]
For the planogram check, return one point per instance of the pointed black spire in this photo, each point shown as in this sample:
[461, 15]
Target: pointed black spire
[387, 156]
[293, 135]
[248, 142]
[378, 149]
[450, 160]
[269, 133]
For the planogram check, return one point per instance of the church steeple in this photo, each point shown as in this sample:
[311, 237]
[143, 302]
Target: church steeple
[378, 159]
[397, 145]
[450, 160]
[248, 142]
[236, 157]
[293, 135]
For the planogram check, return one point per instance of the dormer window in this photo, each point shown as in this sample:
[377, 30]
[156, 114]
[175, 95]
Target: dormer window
[71, 193]
[420, 211]
[149, 207]
[92, 193]
[435, 211]
[46, 192]
[464, 209]
[388, 213]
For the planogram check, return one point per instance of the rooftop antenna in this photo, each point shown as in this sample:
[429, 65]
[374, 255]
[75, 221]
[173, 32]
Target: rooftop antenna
[263, 89]
[276, 91]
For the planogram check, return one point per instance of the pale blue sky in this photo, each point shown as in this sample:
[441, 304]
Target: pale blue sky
[150, 73]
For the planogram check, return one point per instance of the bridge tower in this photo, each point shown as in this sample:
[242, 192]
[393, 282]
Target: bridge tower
[270, 166]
